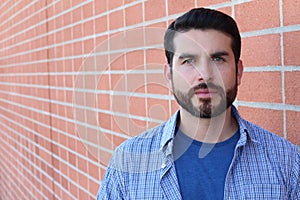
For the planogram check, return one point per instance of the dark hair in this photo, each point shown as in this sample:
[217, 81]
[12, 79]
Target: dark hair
[203, 18]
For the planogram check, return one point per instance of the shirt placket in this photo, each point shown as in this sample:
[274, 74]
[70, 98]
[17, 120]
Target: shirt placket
[228, 193]
[168, 179]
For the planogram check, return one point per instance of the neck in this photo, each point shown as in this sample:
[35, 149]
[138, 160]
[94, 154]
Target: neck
[208, 130]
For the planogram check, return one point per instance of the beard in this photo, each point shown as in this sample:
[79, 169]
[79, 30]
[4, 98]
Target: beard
[206, 109]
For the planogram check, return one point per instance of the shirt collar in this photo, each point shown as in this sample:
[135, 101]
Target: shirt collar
[169, 130]
[245, 133]
[170, 126]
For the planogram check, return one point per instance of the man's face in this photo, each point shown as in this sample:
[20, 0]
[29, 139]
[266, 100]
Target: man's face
[203, 78]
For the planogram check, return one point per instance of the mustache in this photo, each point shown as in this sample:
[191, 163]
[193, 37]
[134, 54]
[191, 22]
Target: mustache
[207, 86]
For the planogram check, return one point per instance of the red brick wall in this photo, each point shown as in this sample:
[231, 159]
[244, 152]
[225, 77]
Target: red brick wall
[79, 77]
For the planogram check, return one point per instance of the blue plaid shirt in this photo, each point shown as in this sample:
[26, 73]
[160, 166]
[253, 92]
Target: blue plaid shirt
[264, 166]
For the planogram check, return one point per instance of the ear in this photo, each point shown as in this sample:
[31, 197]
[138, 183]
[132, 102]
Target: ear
[240, 72]
[167, 75]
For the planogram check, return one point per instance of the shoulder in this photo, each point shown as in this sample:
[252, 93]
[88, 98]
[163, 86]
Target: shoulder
[276, 148]
[280, 154]
[139, 154]
[146, 141]
[268, 139]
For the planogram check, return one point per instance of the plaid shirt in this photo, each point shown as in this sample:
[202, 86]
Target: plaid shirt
[264, 166]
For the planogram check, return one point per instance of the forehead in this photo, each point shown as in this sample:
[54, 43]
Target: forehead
[198, 41]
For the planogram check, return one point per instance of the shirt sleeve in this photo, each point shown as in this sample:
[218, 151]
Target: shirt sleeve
[296, 178]
[110, 188]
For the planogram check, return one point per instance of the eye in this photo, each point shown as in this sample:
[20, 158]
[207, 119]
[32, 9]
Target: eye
[218, 59]
[188, 61]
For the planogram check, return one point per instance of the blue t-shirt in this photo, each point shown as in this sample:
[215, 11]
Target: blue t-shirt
[201, 167]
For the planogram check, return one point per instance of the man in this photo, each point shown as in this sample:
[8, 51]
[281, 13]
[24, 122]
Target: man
[206, 150]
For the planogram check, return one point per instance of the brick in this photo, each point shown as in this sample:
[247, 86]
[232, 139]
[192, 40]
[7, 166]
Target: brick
[88, 28]
[114, 4]
[74, 190]
[158, 109]
[134, 60]
[75, 2]
[293, 126]
[156, 84]
[163, 25]
[81, 148]
[104, 120]
[90, 135]
[255, 49]
[117, 61]
[67, 19]
[136, 127]
[94, 171]
[261, 87]
[116, 20]
[271, 120]
[82, 165]
[117, 140]
[128, 1]
[72, 159]
[120, 124]
[89, 47]
[103, 101]
[290, 10]
[226, 10]
[174, 106]
[100, 7]
[154, 34]
[155, 58]
[133, 15]
[83, 194]
[178, 6]
[65, 195]
[119, 103]
[262, 19]
[101, 24]
[204, 3]
[155, 9]
[77, 49]
[292, 87]
[291, 45]
[136, 83]
[118, 82]
[134, 38]
[137, 106]
[101, 44]
[59, 21]
[87, 10]
[93, 187]
[103, 82]
[77, 14]
[104, 157]
[68, 51]
[152, 124]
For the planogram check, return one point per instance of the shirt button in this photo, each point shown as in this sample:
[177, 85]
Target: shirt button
[163, 165]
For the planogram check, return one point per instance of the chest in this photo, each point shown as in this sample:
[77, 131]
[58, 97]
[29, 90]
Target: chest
[251, 176]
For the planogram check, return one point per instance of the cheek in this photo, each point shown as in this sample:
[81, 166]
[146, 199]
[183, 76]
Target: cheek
[230, 83]
[182, 79]
[228, 78]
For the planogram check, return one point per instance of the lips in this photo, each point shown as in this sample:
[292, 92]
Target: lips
[205, 90]
[205, 93]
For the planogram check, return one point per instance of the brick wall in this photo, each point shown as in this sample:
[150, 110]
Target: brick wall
[79, 77]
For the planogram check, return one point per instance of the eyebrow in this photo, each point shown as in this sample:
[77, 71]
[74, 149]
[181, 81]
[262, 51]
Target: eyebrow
[186, 55]
[219, 54]
[193, 56]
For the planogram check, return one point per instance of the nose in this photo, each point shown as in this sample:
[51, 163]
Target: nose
[204, 71]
